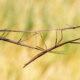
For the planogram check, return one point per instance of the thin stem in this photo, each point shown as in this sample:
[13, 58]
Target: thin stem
[15, 42]
[4, 30]
[47, 50]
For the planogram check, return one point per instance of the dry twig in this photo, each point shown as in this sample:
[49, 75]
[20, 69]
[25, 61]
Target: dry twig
[44, 51]
[5, 30]
[47, 50]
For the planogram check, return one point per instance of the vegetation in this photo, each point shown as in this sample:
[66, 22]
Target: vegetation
[39, 15]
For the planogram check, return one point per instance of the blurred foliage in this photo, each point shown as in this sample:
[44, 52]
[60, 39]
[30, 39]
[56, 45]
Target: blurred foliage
[36, 15]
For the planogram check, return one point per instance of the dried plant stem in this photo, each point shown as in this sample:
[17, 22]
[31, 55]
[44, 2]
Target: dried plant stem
[44, 51]
[4, 30]
[47, 50]
[17, 43]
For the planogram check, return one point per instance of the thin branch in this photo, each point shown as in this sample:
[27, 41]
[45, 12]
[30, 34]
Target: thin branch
[75, 42]
[22, 44]
[17, 43]
[47, 50]
[40, 48]
[57, 43]
[57, 52]
[5, 30]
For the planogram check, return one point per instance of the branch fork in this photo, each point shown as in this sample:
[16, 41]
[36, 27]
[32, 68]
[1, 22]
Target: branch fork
[43, 51]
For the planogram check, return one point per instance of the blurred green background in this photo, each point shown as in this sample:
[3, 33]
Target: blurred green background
[36, 15]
